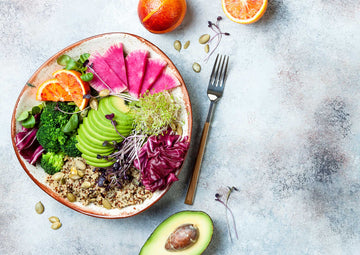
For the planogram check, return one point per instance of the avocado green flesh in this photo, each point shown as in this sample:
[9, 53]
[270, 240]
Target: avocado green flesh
[156, 242]
[99, 134]
[96, 162]
[99, 120]
[93, 153]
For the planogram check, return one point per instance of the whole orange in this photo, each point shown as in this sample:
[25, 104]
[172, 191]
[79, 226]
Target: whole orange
[161, 16]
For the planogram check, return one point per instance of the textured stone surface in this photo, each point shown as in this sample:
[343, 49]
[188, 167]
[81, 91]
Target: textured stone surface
[286, 132]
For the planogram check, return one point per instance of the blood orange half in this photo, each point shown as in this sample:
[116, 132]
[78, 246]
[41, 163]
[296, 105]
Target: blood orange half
[70, 80]
[244, 11]
[51, 90]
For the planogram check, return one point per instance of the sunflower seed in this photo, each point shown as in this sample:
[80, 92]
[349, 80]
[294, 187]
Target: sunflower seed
[204, 38]
[57, 176]
[177, 45]
[196, 67]
[207, 48]
[186, 45]
[104, 93]
[56, 225]
[94, 103]
[39, 207]
[54, 219]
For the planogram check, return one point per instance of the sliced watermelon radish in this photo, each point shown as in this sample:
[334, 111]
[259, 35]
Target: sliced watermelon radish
[104, 76]
[135, 66]
[114, 57]
[166, 81]
[154, 68]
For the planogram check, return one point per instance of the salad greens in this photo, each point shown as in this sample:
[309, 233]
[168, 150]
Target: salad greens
[80, 65]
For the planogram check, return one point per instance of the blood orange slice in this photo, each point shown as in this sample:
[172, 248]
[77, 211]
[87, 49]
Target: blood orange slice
[244, 11]
[51, 90]
[70, 80]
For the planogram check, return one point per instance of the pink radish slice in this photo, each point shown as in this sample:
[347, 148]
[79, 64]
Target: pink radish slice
[114, 57]
[166, 81]
[154, 68]
[104, 76]
[135, 66]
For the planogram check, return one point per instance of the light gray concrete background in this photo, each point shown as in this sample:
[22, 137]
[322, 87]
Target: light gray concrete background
[286, 133]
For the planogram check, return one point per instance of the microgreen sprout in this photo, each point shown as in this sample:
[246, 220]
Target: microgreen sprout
[30, 85]
[227, 208]
[218, 34]
[75, 112]
[113, 122]
[80, 65]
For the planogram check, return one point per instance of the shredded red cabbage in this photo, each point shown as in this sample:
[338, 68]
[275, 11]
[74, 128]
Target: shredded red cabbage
[159, 158]
[28, 146]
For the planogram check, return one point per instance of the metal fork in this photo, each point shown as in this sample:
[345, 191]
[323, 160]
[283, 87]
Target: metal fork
[215, 91]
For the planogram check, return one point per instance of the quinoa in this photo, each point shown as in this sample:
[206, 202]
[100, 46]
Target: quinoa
[80, 179]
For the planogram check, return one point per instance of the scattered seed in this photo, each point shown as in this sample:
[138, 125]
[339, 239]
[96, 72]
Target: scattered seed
[71, 197]
[196, 67]
[84, 113]
[81, 173]
[106, 204]
[207, 48]
[56, 225]
[177, 45]
[204, 38]
[39, 207]
[179, 130]
[62, 181]
[86, 185]
[186, 45]
[54, 219]
[80, 165]
[104, 93]
[58, 176]
[94, 103]
[173, 126]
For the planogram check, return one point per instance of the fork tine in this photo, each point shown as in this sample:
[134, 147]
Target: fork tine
[217, 74]
[212, 76]
[226, 59]
[218, 82]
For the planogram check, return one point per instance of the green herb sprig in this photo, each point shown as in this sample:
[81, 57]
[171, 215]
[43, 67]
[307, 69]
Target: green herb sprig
[80, 65]
[27, 118]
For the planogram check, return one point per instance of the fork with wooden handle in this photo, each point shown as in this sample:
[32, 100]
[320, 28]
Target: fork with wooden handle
[215, 91]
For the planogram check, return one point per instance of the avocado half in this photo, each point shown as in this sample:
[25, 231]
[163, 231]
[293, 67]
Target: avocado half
[157, 241]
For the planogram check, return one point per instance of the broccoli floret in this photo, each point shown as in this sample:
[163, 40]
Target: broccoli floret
[69, 147]
[50, 137]
[51, 115]
[50, 134]
[52, 162]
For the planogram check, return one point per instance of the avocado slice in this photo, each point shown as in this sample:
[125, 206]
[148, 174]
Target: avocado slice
[93, 161]
[199, 220]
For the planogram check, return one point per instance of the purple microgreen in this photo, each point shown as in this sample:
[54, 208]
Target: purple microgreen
[59, 109]
[218, 34]
[227, 208]
[97, 75]
[110, 116]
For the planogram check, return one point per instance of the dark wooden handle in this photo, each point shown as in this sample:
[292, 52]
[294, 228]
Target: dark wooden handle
[195, 176]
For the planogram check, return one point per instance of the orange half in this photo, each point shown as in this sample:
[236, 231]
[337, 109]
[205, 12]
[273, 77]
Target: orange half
[244, 11]
[70, 80]
[51, 90]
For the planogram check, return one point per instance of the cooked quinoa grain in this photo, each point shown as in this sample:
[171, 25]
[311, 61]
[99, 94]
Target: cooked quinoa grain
[85, 189]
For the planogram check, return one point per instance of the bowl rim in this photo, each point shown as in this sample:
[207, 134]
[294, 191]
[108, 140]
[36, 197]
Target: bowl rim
[55, 195]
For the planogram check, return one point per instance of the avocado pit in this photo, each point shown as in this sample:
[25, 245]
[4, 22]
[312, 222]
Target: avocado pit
[182, 238]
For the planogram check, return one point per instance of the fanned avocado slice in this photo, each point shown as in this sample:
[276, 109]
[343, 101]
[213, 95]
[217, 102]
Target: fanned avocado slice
[198, 226]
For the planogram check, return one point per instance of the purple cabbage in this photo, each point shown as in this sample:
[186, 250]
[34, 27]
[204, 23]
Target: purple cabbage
[29, 148]
[159, 158]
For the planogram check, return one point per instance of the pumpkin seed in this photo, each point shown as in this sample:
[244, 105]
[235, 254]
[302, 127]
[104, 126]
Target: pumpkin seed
[177, 45]
[81, 173]
[173, 126]
[71, 197]
[106, 204]
[204, 38]
[196, 67]
[86, 185]
[80, 165]
[207, 48]
[186, 45]
[62, 181]
[94, 103]
[39, 207]
[56, 225]
[58, 176]
[179, 130]
[84, 113]
[104, 93]
[54, 219]
[92, 200]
